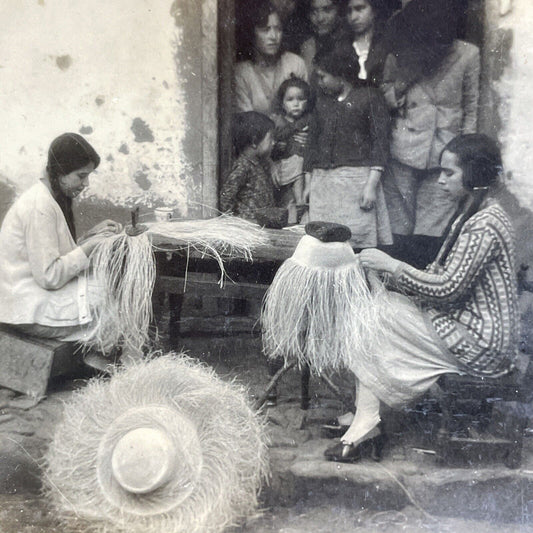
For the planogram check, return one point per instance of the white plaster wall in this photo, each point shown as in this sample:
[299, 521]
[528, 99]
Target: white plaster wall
[122, 67]
[516, 105]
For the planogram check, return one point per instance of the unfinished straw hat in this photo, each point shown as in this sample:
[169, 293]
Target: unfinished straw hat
[322, 308]
[124, 267]
[163, 445]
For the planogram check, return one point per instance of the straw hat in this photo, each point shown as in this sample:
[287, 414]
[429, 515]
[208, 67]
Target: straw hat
[322, 308]
[163, 445]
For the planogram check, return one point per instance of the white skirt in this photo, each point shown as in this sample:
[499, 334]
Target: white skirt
[334, 197]
[408, 361]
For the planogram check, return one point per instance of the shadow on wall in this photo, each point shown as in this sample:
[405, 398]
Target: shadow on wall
[523, 223]
[7, 197]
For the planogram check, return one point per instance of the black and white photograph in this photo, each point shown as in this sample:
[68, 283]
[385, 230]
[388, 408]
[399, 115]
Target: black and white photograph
[265, 266]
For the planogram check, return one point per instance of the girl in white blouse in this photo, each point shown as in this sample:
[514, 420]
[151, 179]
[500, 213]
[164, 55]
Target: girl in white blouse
[45, 289]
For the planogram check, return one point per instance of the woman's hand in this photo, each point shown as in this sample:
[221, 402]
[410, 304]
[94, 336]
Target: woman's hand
[374, 259]
[89, 244]
[368, 197]
[105, 227]
[300, 137]
[369, 194]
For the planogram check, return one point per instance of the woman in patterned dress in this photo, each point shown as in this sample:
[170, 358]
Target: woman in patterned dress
[460, 314]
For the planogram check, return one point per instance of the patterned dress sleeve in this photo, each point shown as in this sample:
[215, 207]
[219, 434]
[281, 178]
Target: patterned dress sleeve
[232, 186]
[473, 250]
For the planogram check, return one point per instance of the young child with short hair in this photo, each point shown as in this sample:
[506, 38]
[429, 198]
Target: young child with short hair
[294, 103]
[249, 185]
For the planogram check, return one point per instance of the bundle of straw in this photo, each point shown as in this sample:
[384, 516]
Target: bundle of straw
[218, 238]
[124, 267]
[326, 316]
[213, 443]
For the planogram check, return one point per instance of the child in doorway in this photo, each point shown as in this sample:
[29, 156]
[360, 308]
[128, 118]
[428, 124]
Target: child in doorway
[294, 101]
[347, 150]
[249, 186]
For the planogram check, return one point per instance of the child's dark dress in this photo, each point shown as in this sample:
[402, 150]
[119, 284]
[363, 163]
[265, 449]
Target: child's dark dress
[247, 188]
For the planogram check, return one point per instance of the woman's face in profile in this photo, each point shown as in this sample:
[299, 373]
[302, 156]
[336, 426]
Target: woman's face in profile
[73, 184]
[268, 38]
[451, 175]
[323, 16]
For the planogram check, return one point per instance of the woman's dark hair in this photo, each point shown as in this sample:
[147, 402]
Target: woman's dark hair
[68, 153]
[251, 14]
[250, 128]
[341, 61]
[480, 158]
[301, 84]
[421, 35]
[339, 4]
[382, 9]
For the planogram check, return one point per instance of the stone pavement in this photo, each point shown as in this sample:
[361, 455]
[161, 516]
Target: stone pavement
[406, 491]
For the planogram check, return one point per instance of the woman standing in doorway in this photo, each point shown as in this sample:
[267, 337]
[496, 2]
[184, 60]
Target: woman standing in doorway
[257, 79]
[366, 20]
[327, 28]
[431, 84]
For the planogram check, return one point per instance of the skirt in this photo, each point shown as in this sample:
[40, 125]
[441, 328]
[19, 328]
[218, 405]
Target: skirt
[334, 197]
[408, 361]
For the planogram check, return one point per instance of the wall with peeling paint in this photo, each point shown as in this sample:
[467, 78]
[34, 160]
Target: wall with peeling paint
[515, 95]
[106, 69]
[507, 106]
[138, 78]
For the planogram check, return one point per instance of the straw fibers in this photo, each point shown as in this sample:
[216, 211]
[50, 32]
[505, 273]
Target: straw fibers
[328, 318]
[218, 238]
[219, 441]
[124, 266]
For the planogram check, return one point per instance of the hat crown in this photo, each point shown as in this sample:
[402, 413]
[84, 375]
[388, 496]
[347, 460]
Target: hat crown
[328, 231]
[143, 460]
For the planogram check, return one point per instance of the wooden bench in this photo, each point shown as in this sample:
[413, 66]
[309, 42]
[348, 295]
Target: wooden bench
[469, 431]
[27, 363]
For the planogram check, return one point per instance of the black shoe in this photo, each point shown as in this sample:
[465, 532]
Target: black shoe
[341, 453]
[346, 453]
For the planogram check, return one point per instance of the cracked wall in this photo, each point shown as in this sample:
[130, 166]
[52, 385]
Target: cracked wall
[106, 70]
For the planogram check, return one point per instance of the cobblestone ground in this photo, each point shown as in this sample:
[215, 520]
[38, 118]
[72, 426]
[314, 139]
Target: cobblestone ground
[28, 514]
[25, 430]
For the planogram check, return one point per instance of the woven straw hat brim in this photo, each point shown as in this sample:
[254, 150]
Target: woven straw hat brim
[220, 445]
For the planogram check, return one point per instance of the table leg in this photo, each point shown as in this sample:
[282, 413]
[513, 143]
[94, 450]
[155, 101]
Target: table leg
[175, 303]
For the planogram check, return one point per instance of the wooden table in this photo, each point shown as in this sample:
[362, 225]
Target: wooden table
[171, 280]
[174, 267]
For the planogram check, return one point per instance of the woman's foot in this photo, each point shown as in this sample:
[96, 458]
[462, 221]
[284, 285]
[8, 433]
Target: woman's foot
[348, 440]
[371, 447]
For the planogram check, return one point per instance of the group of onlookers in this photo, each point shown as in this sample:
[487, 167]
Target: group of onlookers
[352, 121]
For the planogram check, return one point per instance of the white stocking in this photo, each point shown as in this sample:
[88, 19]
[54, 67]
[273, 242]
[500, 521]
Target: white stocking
[366, 416]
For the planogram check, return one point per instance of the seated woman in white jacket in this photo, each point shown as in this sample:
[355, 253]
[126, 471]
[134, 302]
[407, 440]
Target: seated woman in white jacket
[45, 289]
